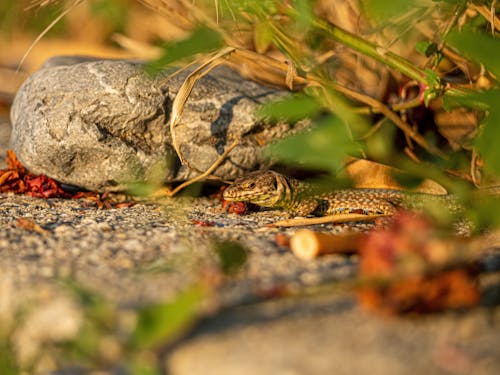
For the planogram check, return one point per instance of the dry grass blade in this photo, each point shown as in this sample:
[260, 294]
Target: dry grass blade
[185, 90]
[174, 11]
[332, 219]
[291, 74]
[265, 69]
[488, 13]
[46, 30]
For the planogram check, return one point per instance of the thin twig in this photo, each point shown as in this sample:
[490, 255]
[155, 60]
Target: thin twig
[307, 244]
[474, 172]
[171, 193]
[493, 17]
[409, 152]
[375, 128]
[460, 9]
[331, 219]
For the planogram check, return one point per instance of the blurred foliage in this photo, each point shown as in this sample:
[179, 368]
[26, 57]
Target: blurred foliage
[324, 147]
[201, 40]
[232, 256]
[34, 16]
[478, 46]
[384, 10]
[113, 11]
[23, 15]
[7, 358]
[109, 336]
[160, 323]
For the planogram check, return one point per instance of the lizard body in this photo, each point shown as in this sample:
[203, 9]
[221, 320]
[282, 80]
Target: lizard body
[274, 190]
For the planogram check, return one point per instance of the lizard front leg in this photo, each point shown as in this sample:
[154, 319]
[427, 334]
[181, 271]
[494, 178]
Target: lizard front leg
[304, 207]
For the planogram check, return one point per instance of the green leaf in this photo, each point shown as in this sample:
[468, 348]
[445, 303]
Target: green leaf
[263, 36]
[479, 47]
[323, 147]
[292, 108]
[201, 40]
[426, 48]
[158, 324]
[113, 11]
[422, 47]
[144, 366]
[385, 9]
[8, 362]
[379, 146]
[304, 14]
[485, 211]
[470, 99]
[487, 141]
[340, 107]
[232, 256]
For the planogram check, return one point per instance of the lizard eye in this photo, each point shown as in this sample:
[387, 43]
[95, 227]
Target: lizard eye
[251, 185]
[275, 184]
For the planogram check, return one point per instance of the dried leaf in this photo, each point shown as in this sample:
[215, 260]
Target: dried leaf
[13, 163]
[30, 225]
[371, 175]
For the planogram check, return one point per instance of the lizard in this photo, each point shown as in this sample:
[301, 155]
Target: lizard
[274, 190]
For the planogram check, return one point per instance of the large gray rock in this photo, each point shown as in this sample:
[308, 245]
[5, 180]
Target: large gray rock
[101, 124]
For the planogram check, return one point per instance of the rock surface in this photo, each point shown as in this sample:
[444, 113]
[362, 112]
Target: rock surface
[331, 335]
[102, 124]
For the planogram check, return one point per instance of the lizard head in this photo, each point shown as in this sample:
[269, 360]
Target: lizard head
[265, 189]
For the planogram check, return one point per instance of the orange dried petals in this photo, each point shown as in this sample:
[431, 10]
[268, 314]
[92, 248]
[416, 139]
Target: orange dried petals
[16, 179]
[407, 263]
[13, 163]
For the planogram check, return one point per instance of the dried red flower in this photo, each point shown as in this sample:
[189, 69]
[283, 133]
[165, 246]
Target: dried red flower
[16, 179]
[202, 223]
[409, 266]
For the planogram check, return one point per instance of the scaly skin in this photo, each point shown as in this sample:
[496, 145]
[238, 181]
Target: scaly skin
[271, 189]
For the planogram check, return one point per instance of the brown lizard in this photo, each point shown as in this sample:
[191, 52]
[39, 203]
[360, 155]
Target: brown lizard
[274, 190]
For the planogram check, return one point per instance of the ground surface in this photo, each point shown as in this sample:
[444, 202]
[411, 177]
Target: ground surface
[152, 251]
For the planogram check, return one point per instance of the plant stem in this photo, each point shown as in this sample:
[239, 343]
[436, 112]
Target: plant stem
[383, 55]
[372, 50]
